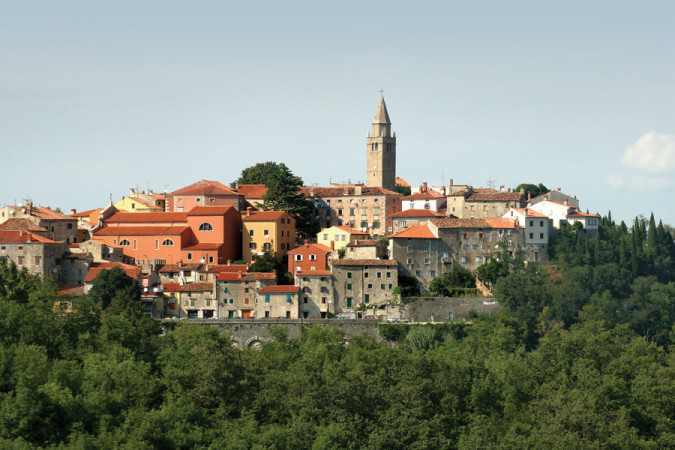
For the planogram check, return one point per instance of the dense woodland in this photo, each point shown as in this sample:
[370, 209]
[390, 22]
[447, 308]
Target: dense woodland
[580, 357]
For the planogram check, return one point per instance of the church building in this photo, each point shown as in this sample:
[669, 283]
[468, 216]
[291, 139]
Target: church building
[381, 151]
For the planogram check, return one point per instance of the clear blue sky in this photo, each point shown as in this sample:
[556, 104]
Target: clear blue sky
[97, 97]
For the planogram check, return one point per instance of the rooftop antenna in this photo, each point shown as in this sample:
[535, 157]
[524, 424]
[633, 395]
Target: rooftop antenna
[491, 183]
[111, 202]
[166, 188]
[442, 177]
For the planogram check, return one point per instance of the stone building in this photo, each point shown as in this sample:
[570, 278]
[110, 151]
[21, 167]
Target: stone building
[355, 206]
[473, 203]
[99, 251]
[191, 300]
[237, 293]
[420, 253]
[278, 301]
[555, 196]
[39, 255]
[411, 217]
[363, 282]
[316, 293]
[59, 226]
[367, 249]
[381, 151]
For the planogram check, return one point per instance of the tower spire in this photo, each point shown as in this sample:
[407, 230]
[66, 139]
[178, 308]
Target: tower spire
[381, 161]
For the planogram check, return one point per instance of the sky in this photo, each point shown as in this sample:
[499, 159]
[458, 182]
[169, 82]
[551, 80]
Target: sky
[100, 97]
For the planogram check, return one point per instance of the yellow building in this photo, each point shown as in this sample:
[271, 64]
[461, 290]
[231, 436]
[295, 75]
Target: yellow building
[271, 231]
[141, 202]
[338, 236]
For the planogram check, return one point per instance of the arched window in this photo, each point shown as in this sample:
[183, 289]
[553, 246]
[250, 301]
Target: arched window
[206, 227]
[124, 243]
[167, 242]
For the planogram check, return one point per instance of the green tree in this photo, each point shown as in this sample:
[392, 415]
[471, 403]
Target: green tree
[534, 189]
[109, 282]
[269, 262]
[405, 190]
[259, 173]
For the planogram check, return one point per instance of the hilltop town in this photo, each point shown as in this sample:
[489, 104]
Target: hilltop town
[211, 250]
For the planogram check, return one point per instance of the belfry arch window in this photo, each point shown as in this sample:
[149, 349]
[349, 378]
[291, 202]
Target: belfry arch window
[125, 243]
[206, 227]
[167, 243]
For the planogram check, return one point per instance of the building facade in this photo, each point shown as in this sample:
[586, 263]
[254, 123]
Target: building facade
[267, 231]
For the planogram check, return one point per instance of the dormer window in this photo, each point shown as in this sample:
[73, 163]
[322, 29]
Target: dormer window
[125, 243]
[206, 227]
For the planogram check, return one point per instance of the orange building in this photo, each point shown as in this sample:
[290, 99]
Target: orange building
[204, 193]
[309, 258]
[205, 234]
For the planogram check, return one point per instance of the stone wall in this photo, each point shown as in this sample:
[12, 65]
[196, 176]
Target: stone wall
[441, 309]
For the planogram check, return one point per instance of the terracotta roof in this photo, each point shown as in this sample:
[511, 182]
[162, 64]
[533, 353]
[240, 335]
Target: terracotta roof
[218, 268]
[347, 229]
[364, 243]
[580, 214]
[528, 212]
[417, 213]
[210, 210]
[264, 216]
[310, 247]
[473, 223]
[188, 287]
[314, 273]
[246, 276]
[401, 182]
[149, 217]
[96, 268]
[340, 191]
[205, 187]
[22, 224]
[252, 191]
[430, 193]
[365, 262]
[140, 230]
[78, 256]
[76, 290]
[279, 288]
[175, 267]
[204, 246]
[23, 237]
[42, 212]
[415, 232]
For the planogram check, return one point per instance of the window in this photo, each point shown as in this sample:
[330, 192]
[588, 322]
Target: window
[474, 247]
[304, 300]
[465, 259]
[250, 232]
[156, 244]
[266, 233]
[541, 235]
[370, 286]
[252, 245]
[418, 273]
[483, 247]
[283, 221]
[432, 273]
[376, 224]
[364, 211]
[312, 257]
[125, 243]
[198, 199]
[410, 249]
[167, 243]
[382, 286]
[427, 261]
[206, 227]
[426, 249]
[246, 301]
[465, 247]
[189, 256]
[478, 259]
[379, 274]
[266, 246]
[376, 212]
[367, 299]
[283, 246]
[349, 286]
[349, 274]
[541, 223]
[349, 302]
[531, 235]
[288, 298]
[37, 260]
[351, 211]
[531, 223]
[211, 259]
[344, 235]
[267, 298]
[466, 236]
[339, 211]
[135, 242]
[298, 257]
[365, 275]
[325, 236]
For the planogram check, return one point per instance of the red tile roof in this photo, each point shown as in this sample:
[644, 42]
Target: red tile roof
[349, 230]
[314, 273]
[264, 216]
[175, 267]
[473, 223]
[415, 232]
[364, 243]
[188, 287]
[580, 214]
[22, 237]
[528, 212]
[430, 194]
[310, 247]
[365, 262]
[205, 187]
[247, 276]
[203, 246]
[401, 182]
[140, 230]
[96, 268]
[252, 191]
[218, 268]
[22, 224]
[417, 213]
[340, 191]
[278, 288]
[210, 210]
[86, 213]
[76, 290]
[149, 217]
[42, 212]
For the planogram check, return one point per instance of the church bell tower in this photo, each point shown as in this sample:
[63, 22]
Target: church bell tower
[381, 151]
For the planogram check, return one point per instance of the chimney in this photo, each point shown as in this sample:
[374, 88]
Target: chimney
[443, 191]
[20, 232]
[558, 189]
[306, 241]
[529, 195]
[509, 189]
[73, 211]
[229, 262]
[424, 185]
[311, 191]
[180, 263]
[501, 188]
[248, 211]
[452, 183]
[357, 189]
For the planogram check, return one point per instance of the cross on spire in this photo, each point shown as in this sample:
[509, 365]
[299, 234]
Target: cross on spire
[382, 92]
